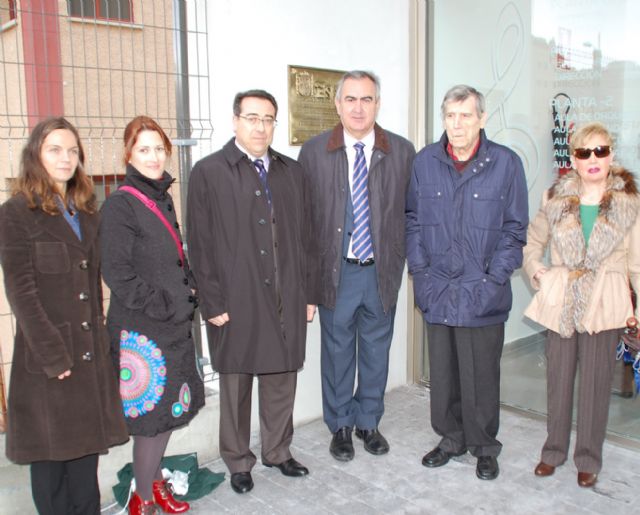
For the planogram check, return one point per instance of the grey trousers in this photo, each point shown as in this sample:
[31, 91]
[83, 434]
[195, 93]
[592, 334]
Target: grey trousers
[595, 355]
[276, 394]
[464, 364]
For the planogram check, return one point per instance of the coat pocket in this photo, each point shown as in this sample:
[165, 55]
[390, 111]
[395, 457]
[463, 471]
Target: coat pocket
[486, 207]
[52, 257]
[492, 298]
[33, 361]
[546, 306]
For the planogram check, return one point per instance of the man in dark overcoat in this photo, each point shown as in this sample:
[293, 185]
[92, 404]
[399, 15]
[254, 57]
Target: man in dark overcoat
[245, 229]
[467, 216]
[356, 178]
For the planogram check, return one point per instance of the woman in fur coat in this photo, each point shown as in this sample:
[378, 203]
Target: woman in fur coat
[589, 220]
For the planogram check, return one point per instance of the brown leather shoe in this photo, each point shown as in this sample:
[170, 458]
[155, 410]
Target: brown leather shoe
[586, 479]
[544, 470]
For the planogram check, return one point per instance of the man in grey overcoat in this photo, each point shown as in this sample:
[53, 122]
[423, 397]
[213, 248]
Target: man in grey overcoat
[245, 228]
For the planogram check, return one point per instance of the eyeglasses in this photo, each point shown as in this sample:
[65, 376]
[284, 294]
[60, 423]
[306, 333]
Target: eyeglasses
[254, 120]
[585, 153]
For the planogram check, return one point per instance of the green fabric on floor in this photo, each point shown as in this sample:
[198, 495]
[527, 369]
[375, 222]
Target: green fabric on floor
[201, 480]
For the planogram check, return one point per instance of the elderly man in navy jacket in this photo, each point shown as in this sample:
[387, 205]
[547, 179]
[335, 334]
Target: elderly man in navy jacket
[467, 216]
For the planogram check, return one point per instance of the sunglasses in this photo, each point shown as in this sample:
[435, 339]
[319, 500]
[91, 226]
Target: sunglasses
[585, 153]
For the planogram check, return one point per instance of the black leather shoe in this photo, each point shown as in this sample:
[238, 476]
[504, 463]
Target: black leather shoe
[487, 467]
[374, 442]
[290, 468]
[438, 457]
[341, 447]
[241, 482]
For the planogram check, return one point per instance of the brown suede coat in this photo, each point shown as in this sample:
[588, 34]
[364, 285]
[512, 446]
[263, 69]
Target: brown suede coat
[52, 281]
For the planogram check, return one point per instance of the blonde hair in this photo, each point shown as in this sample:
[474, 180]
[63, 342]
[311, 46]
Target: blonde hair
[587, 131]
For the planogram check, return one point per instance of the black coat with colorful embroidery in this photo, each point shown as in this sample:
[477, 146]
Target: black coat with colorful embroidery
[151, 309]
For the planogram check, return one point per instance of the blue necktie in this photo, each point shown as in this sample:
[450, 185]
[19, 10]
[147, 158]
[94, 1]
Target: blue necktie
[361, 238]
[262, 173]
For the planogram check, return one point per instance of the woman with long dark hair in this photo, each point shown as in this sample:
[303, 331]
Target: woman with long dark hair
[64, 407]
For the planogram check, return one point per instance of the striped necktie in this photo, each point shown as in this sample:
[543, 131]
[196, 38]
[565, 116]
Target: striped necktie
[262, 173]
[361, 238]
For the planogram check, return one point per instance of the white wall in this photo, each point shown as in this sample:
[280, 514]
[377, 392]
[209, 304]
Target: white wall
[251, 42]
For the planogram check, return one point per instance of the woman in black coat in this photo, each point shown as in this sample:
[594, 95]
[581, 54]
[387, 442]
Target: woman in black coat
[64, 407]
[151, 310]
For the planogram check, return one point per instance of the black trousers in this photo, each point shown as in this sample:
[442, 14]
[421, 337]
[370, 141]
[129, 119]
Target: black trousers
[464, 364]
[66, 487]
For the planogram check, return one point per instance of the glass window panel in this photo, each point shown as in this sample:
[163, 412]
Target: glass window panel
[546, 67]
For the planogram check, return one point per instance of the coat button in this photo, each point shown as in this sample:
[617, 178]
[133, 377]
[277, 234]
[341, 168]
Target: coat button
[267, 282]
[87, 356]
[339, 229]
[86, 326]
[169, 207]
[475, 195]
[84, 296]
[258, 193]
[84, 264]
[263, 252]
[262, 221]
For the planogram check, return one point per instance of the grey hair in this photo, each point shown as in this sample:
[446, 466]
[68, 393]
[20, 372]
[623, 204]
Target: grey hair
[357, 75]
[460, 93]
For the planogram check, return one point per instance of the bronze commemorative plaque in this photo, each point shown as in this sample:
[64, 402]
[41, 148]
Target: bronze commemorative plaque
[312, 108]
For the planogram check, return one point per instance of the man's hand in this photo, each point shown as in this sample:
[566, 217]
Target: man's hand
[311, 311]
[220, 320]
[64, 374]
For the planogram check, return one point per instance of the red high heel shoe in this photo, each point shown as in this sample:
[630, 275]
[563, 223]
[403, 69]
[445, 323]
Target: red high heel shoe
[165, 500]
[137, 506]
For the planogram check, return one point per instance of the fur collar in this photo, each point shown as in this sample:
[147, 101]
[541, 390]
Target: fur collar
[618, 212]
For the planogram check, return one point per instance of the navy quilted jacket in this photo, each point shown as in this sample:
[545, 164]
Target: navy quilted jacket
[465, 233]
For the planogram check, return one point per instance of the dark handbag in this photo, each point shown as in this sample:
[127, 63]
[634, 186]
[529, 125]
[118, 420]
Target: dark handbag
[629, 351]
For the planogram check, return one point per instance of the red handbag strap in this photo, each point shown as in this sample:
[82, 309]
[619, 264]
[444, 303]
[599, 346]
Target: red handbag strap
[154, 208]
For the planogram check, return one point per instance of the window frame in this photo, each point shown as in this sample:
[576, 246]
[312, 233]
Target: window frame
[11, 7]
[98, 14]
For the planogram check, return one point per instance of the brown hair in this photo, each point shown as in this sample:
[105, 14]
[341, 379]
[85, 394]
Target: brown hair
[135, 127]
[37, 185]
[585, 132]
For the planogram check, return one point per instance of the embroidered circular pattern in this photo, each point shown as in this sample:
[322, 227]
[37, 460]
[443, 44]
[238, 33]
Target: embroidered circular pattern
[184, 401]
[143, 374]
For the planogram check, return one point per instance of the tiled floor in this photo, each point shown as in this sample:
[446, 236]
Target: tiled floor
[398, 483]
